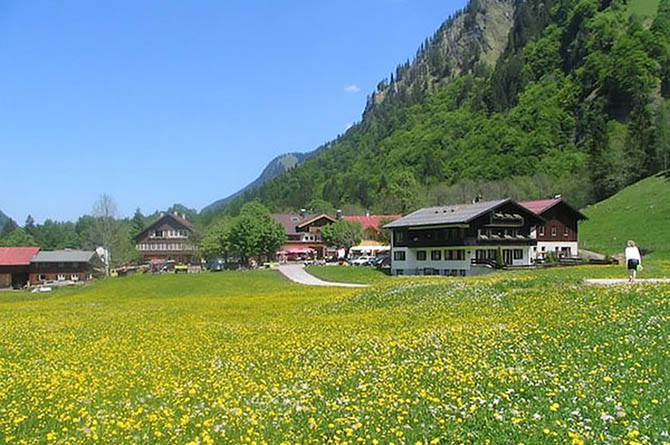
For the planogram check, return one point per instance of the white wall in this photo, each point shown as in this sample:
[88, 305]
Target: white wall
[550, 246]
[411, 263]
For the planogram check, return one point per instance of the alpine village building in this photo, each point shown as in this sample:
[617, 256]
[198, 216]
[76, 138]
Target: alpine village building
[303, 231]
[167, 239]
[559, 234]
[20, 266]
[464, 239]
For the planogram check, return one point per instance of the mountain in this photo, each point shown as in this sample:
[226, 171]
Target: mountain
[276, 167]
[638, 212]
[3, 220]
[523, 99]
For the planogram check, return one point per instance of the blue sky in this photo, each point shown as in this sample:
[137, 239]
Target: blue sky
[157, 102]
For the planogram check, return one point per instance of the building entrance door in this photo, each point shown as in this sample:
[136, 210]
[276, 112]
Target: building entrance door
[508, 256]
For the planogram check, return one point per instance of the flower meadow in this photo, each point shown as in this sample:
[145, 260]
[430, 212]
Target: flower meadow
[247, 357]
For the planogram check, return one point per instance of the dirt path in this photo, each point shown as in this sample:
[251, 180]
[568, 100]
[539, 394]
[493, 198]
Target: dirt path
[618, 281]
[298, 274]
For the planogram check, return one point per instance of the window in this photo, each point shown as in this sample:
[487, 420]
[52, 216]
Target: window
[454, 255]
[60, 265]
[462, 272]
[74, 277]
[399, 272]
[399, 256]
[518, 254]
[421, 255]
[436, 255]
[42, 277]
[61, 277]
[541, 230]
[565, 231]
[553, 230]
[399, 237]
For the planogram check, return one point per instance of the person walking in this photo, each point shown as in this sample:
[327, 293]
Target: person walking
[633, 260]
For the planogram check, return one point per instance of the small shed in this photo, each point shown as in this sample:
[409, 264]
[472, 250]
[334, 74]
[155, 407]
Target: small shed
[15, 265]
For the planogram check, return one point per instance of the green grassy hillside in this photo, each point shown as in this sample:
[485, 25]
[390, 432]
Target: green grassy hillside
[640, 212]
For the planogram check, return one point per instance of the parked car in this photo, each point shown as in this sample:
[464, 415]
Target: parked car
[216, 266]
[381, 261]
[363, 261]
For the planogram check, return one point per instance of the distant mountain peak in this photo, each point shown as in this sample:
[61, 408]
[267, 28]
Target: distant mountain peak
[276, 167]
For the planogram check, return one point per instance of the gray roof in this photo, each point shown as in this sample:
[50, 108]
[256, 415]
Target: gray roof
[453, 214]
[63, 256]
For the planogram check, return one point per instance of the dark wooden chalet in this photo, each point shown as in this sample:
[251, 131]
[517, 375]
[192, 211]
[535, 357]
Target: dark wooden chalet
[168, 238]
[304, 234]
[560, 231]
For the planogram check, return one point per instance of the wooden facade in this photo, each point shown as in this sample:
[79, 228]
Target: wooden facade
[65, 265]
[15, 265]
[559, 234]
[168, 238]
[304, 231]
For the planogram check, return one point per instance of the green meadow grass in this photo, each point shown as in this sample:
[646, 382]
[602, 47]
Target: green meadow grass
[640, 212]
[248, 357]
[348, 274]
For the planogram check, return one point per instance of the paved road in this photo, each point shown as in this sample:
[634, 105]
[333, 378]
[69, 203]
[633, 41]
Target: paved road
[298, 274]
[614, 281]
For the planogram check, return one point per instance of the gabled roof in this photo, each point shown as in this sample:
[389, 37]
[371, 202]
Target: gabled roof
[17, 256]
[291, 222]
[64, 256]
[316, 218]
[454, 214]
[372, 221]
[540, 206]
[166, 217]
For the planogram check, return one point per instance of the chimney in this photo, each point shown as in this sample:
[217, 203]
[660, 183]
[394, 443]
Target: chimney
[559, 196]
[339, 213]
[302, 213]
[162, 214]
[367, 213]
[183, 215]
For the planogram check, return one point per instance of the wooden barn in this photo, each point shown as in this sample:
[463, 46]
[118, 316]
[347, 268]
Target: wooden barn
[15, 265]
[65, 265]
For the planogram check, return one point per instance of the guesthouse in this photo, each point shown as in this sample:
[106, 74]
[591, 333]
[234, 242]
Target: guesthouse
[167, 239]
[463, 239]
[303, 231]
[559, 234]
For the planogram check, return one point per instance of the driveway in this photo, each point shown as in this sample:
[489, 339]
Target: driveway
[298, 274]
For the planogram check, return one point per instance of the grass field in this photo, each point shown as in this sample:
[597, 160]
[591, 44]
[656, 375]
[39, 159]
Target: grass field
[247, 357]
[640, 212]
[348, 274]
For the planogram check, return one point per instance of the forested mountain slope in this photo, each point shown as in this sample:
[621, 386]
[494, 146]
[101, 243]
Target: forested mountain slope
[575, 103]
[3, 220]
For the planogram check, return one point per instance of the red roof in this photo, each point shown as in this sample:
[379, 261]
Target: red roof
[17, 256]
[538, 207]
[372, 221]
